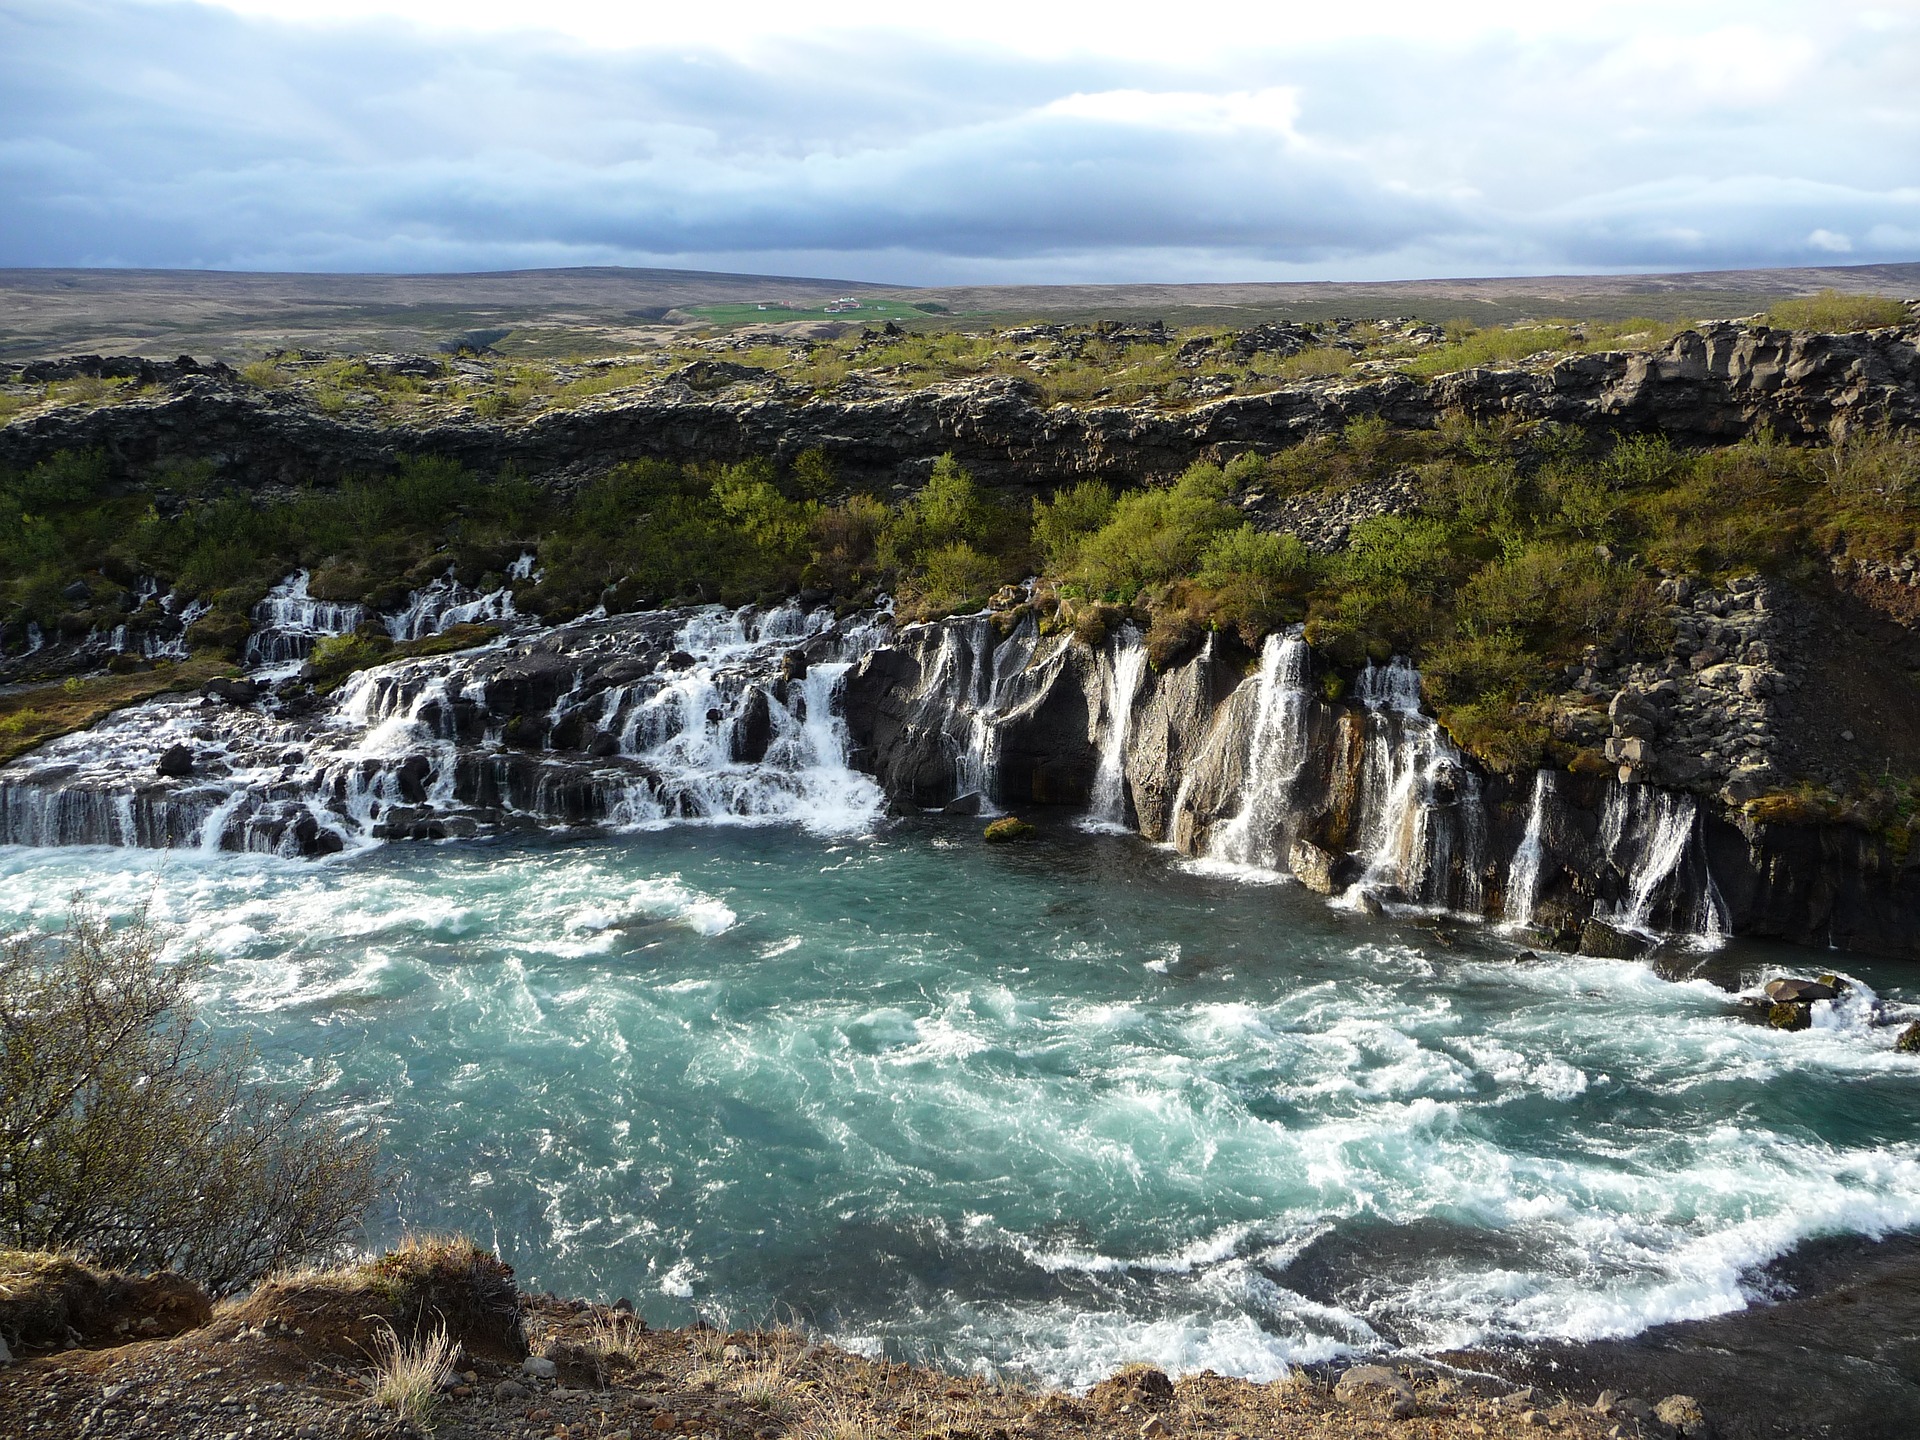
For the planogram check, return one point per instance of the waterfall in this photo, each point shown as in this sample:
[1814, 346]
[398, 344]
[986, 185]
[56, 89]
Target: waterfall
[1277, 751]
[1125, 667]
[436, 608]
[1523, 875]
[972, 687]
[1421, 817]
[600, 723]
[288, 622]
[1647, 836]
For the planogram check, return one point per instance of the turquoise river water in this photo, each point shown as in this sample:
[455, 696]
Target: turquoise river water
[1056, 1106]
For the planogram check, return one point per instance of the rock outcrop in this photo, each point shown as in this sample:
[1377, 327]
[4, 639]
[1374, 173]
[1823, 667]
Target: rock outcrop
[1712, 384]
[1364, 796]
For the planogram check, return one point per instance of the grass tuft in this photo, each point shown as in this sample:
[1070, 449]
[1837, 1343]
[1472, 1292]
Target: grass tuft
[409, 1373]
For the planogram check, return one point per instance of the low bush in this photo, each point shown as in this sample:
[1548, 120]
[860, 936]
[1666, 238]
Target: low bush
[129, 1138]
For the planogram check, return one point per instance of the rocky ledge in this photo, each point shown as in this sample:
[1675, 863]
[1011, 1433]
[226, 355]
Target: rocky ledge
[1712, 384]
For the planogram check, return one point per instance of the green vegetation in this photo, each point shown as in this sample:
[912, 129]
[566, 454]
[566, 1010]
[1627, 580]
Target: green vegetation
[1834, 312]
[127, 1137]
[1528, 544]
[1469, 346]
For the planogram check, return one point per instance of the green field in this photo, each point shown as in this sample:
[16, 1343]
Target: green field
[871, 312]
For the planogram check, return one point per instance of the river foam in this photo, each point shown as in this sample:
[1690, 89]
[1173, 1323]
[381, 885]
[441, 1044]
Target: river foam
[1055, 1107]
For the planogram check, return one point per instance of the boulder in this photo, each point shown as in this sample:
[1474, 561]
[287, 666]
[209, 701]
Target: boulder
[176, 763]
[1787, 1016]
[963, 805]
[1377, 1391]
[752, 729]
[1007, 830]
[232, 691]
[1609, 942]
[1683, 1416]
[1313, 867]
[411, 776]
[793, 665]
[1909, 1041]
[1789, 990]
[537, 1367]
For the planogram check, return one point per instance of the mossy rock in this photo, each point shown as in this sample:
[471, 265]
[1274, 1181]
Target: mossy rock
[219, 630]
[1909, 1041]
[1007, 830]
[1789, 1016]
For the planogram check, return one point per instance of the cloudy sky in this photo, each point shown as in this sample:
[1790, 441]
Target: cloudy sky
[1004, 142]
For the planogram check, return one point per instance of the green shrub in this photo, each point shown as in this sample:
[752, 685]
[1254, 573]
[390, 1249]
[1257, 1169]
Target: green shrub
[1259, 580]
[954, 578]
[1155, 536]
[947, 511]
[1061, 523]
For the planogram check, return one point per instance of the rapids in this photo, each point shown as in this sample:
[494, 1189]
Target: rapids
[1054, 1107]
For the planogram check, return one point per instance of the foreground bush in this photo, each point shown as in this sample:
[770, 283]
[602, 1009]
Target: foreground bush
[128, 1137]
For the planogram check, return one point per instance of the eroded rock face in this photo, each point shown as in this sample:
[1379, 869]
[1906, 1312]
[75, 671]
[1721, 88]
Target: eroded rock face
[1365, 797]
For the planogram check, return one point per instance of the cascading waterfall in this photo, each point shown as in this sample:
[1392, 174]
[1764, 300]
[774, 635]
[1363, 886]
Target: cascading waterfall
[288, 622]
[1421, 814]
[1647, 836]
[1125, 667]
[596, 723]
[1277, 752]
[1523, 875]
[436, 608]
[973, 686]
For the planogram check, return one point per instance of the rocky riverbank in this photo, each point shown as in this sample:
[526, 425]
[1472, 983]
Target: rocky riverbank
[298, 1359]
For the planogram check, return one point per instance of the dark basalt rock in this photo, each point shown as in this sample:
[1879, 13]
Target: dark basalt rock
[176, 763]
[753, 729]
[232, 691]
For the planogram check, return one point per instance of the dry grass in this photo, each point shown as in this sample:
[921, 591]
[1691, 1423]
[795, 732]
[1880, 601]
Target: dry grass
[766, 1385]
[615, 1333]
[408, 1374]
[44, 1298]
[837, 1416]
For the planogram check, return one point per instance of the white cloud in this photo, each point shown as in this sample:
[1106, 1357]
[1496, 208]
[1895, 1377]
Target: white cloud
[1526, 138]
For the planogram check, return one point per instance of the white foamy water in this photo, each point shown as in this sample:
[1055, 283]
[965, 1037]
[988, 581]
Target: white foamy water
[1057, 1108]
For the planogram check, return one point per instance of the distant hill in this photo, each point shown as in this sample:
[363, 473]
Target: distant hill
[604, 310]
